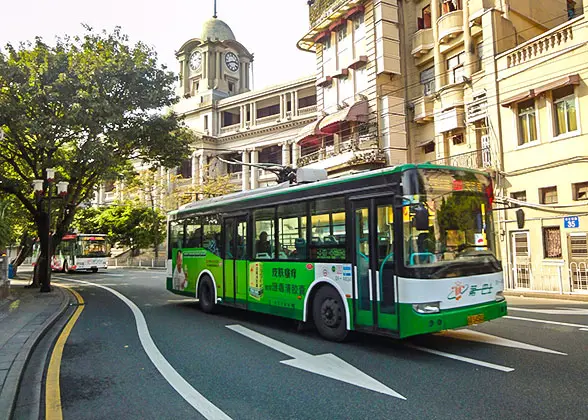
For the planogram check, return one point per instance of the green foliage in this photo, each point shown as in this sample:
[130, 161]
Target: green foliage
[84, 106]
[128, 224]
[458, 212]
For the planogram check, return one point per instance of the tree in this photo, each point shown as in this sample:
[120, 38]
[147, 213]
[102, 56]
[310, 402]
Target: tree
[84, 106]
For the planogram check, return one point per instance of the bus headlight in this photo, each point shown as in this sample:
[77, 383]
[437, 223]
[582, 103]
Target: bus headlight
[499, 296]
[426, 308]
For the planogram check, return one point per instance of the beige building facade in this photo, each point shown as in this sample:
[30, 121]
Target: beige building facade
[544, 113]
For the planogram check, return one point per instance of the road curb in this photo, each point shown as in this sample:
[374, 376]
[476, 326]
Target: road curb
[12, 382]
[579, 298]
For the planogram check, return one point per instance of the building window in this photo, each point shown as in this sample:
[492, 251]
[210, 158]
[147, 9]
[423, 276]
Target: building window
[361, 80]
[548, 195]
[231, 87]
[480, 49]
[330, 96]
[428, 81]
[327, 42]
[455, 68]
[527, 122]
[272, 154]
[342, 32]
[345, 88]
[458, 139]
[551, 242]
[450, 6]
[580, 191]
[564, 110]
[357, 21]
[570, 8]
[429, 147]
[206, 122]
[186, 169]
[519, 195]
[424, 21]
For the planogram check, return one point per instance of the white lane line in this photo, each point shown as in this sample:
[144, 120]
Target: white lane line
[583, 329]
[543, 321]
[560, 311]
[186, 391]
[327, 365]
[480, 337]
[462, 358]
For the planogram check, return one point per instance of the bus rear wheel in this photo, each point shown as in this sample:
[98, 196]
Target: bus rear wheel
[206, 295]
[328, 313]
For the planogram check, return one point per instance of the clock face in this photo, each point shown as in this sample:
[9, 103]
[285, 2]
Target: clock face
[232, 61]
[196, 60]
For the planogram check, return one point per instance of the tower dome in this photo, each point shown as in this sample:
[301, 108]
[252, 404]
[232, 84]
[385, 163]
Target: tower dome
[215, 28]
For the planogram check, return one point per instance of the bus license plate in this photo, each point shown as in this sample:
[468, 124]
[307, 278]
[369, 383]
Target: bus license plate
[475, 319]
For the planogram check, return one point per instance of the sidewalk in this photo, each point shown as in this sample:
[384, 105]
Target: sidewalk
[25, 316]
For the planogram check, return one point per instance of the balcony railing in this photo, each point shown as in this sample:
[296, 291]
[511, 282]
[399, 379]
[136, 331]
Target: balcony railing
[477, 159]
[320, 9]
[307, 110]
[270, 119]
[422, 42]
[548, 44]
[450, 25]
[229, 128]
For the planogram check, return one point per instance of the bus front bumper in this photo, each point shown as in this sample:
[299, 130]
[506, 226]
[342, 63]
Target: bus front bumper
[414, 323]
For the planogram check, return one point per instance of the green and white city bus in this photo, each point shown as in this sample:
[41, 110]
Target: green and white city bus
[400, 251]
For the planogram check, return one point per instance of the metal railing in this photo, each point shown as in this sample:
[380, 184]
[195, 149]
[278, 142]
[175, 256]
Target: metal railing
[477, 159]
[549, 276]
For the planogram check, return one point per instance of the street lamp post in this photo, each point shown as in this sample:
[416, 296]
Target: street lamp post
[39, 187]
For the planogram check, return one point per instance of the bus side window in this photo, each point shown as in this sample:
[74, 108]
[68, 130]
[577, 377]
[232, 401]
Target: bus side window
[212, 234]
[292, 222]
[327, 240]
[242, 240]
[264, 234]
[193, 238]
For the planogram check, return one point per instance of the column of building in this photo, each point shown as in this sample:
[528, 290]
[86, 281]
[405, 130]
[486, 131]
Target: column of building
[245, 170]
[285, 153]
[295, 154]
[254, 170]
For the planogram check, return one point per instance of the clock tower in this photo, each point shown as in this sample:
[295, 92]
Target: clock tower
[214, 65]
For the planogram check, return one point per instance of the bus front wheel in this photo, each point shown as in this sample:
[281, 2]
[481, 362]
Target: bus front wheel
[328, 313]
[206, 295]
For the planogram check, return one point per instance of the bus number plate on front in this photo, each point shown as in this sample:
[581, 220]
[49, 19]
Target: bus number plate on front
[475, 319]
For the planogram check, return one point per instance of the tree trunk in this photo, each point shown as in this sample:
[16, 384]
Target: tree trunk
[24, 250]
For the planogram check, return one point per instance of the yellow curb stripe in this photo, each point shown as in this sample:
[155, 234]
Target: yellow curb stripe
[52, 391]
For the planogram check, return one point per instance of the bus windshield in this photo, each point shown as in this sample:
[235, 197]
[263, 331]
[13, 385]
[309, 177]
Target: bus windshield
[459, 238]
[91, 247]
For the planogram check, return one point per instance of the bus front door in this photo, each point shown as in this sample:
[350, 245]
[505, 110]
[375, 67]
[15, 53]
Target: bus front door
[235, 261]
[373, 260]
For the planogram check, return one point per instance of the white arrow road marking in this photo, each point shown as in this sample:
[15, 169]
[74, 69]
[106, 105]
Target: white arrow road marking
[480, 337]
[186, 391]
[327, 365]
[461, 358]
[559, 311]
[543, 321]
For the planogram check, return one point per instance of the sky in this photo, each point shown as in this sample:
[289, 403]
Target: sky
[267, 28]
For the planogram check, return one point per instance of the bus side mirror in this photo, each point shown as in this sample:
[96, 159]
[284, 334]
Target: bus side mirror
[421, 218]
[520, 218]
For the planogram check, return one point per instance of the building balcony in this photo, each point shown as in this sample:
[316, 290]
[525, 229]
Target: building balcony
[423, 109]
[344, 156]
[477, 159]
[422, 42]
[230, 128]
[450, 25]
[451, 95]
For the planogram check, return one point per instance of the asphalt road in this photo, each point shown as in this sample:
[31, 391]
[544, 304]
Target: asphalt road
[106, 373]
